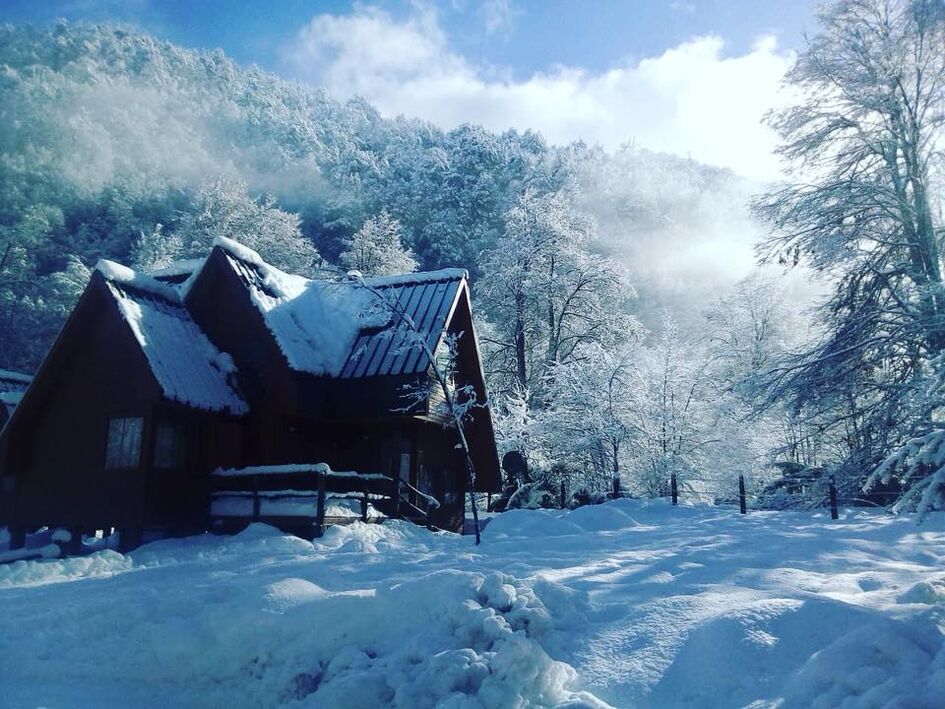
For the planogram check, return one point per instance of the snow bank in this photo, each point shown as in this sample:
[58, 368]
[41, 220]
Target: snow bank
[632, 603]
[446, 638]
[368, 538]
[257, 541]
[610, 516]
[884, 663]
[530, 523]
[28, 573]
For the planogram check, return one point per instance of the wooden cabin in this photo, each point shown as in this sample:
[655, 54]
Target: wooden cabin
[158, 380]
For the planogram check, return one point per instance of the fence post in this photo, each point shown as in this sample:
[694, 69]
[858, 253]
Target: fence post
[563, 495]
[673, 488]
[834, 514]
[743, 508]
[364, 505]
[255, 498]
[320, 505]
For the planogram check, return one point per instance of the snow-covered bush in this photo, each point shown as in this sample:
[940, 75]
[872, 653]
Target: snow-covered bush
[541, 494]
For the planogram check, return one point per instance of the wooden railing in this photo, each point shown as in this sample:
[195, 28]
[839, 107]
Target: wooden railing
[305, 498]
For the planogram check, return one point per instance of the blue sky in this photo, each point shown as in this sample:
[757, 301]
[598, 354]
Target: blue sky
[686, 76]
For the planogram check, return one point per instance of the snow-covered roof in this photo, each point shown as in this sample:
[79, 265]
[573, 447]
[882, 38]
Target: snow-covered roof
[341, 329]
[186, 365]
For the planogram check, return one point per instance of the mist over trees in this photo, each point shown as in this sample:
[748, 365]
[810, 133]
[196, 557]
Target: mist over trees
[607, 352]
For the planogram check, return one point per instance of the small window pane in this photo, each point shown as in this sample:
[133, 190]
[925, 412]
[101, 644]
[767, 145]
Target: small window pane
[170, 449]
[123, 449]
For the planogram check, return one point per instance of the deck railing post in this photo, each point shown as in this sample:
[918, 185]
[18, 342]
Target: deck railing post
[674, 489]
[364, 504]
[396, 493]
[256, 498]
[320, 505]
[742, 505]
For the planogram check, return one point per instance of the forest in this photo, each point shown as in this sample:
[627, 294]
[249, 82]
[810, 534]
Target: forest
[822, 359]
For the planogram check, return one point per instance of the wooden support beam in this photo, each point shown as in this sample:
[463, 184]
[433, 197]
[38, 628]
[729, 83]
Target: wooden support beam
[395, 492]
[320, 505]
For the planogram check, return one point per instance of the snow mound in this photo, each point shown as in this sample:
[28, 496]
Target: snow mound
[371, 538]
[602, 518]
[258, 540]
[931, 592]
[488, 655]
[885, 663]
[607, 517]
[291, 593]
[34, 573]
[530, 523]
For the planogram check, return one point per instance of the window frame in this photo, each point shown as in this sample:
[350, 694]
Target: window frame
[124, 459]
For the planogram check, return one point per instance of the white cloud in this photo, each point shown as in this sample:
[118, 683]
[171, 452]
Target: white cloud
[498, 15]
[691, 100]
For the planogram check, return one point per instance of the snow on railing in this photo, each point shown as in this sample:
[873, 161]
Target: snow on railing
[303, 490]
[296, 468]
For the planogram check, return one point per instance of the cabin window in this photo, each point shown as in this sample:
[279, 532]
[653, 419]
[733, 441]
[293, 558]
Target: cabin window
[123, 447]
[170, 446]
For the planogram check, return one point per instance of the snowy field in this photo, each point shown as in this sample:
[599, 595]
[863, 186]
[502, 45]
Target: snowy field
[627, 604]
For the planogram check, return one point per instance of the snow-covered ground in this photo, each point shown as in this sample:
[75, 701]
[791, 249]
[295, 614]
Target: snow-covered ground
[627, 603]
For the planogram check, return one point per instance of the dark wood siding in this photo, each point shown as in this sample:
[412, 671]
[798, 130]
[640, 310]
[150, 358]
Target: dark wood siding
[58, 453]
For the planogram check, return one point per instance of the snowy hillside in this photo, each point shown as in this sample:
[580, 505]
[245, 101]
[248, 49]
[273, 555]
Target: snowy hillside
[628, 604]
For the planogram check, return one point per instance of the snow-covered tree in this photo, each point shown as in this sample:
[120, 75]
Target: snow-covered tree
[547, 293]
[376, 249]
[674, 412]
[226, 209]
[864, 210]
[919, 464]
[591, 416]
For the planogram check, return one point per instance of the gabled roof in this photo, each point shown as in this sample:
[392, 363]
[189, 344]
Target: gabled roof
[342, 329]
[187, 366]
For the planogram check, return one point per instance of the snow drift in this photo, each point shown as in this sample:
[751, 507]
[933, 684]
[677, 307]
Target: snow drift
[626, 604]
